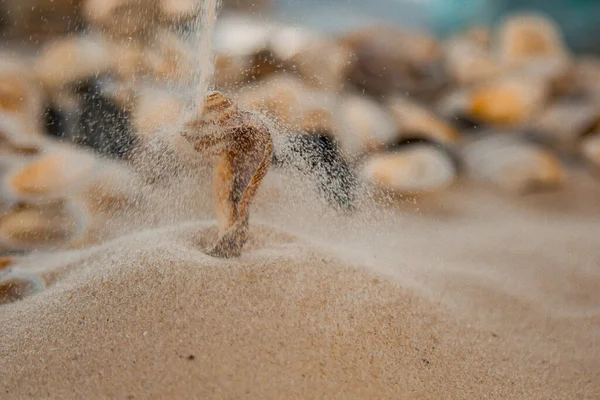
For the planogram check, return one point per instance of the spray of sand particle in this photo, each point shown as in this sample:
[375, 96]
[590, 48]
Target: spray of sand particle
[208, 17]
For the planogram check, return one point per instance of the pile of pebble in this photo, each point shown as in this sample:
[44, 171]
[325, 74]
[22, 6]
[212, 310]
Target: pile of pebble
[410, 113]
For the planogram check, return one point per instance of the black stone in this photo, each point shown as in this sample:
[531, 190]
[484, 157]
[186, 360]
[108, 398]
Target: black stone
[318, 156]
[102, 125]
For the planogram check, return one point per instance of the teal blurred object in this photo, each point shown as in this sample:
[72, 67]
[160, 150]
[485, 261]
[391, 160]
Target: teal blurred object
[579, 19]
[453, 15]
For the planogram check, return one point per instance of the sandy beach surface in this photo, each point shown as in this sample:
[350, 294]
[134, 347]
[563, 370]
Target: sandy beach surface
[470, 295]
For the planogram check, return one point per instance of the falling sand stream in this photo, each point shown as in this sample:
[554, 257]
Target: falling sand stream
[206, 59]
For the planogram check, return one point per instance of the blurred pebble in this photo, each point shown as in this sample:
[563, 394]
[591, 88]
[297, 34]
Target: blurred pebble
[413, 169]
[364, 125]
[512, 164]
[565, 121]
[155, 110]
[16, 285]
[28, 227]
[71, 59]
[586, 76]
[527, 37]
[414, 120]
[324, 63]
[389, 59]
[468, 59]
[21, 99]
[508, 100]
[279, 97]
[590, 148]
[49, 177]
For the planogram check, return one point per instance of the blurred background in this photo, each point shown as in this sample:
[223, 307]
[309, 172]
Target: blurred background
[578, 19]
[405, 97]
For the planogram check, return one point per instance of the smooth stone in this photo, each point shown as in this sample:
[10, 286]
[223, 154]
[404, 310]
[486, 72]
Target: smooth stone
[413, 169]
[512, 164]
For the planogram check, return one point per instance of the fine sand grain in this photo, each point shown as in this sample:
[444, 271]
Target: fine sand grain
[473, 296]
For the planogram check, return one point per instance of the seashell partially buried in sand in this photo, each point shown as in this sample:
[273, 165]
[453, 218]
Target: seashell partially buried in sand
[49, 177]
[29, 227]
[412, 169]
[512, 164]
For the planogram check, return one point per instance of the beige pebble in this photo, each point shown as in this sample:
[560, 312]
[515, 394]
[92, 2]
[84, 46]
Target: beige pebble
[15, 140]
[324, 63]
[50, 176]
[411, 170]
[511, 164]
[29, 227]
[364, 125]
[288, 99]
[128, 59]
[525, 37]
[468, 59]
[21, 98]
[415, 120]
[16, 285]
[287, 42]
[565, 121]
[279, 96]
[174, 11]
[72, 59]
[237, 35]
[508, 100]
[590, 149]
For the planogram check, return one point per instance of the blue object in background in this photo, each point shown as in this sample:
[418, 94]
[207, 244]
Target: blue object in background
[579, 19]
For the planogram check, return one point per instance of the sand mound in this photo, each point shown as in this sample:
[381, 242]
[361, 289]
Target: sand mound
[150, 315]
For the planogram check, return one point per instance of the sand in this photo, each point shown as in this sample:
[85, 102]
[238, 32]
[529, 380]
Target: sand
[467, 295]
